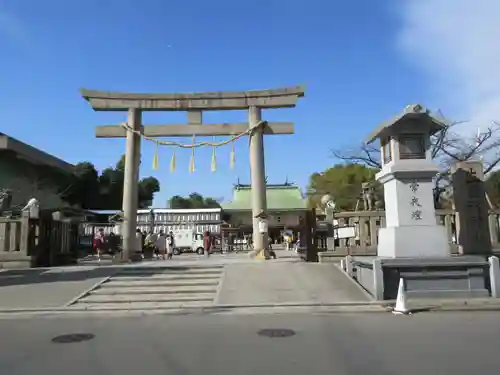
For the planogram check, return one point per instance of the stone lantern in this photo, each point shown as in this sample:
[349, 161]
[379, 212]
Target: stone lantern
[413, 250]
[407, 172]
[263, 220]
[262, 225]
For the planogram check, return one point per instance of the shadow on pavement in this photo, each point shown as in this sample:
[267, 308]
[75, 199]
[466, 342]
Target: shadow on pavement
[71, 273]
[35, 276]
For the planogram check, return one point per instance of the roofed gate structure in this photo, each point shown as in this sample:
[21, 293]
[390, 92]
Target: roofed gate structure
[194, 104]
[286, 208]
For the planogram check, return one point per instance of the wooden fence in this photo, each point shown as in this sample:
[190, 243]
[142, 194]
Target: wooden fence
[367, 224]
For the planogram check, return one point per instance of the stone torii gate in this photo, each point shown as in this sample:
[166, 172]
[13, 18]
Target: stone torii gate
[194, 103]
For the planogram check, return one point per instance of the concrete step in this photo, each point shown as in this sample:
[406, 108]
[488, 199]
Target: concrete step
[158, 283]
[129, 298]
[166, 276]
[155, 290]
[179, 267]
[140, 305]
[153, 271]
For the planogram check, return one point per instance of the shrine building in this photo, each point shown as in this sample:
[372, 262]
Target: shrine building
[286, 207]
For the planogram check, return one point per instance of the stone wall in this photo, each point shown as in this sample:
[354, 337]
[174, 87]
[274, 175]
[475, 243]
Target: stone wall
[27, 181]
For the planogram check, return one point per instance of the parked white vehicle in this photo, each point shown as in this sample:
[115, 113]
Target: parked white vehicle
[185, 240]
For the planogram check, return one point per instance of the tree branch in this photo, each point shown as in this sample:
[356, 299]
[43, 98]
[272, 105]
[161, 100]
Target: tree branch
[365, 154]
[447, 148]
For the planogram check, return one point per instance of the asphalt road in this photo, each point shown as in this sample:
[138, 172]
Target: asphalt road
[426, 343]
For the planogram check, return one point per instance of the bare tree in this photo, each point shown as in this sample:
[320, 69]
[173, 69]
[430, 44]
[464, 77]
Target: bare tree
[485, 145]
[366, 154]
[448, 147]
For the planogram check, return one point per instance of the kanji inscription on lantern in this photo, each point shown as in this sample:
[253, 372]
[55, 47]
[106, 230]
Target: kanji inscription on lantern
[414, 186]
[416, 215]
[415, 203]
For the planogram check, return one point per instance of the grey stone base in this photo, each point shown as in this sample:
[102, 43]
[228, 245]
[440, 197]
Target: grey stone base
[252, 253]
[329, 257]
[14, 259]
[136, 257]
[465, 276]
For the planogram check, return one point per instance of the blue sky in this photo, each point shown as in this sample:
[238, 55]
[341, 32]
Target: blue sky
[361, 61]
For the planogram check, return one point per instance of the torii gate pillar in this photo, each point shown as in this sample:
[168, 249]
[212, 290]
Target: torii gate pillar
[130, 202]
[258, 181]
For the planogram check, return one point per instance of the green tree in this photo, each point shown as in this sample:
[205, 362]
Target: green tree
[343, 182]
[211, 203]
[194, 200]
[90, 190]
[83, 188]
[147, 188]
[177, 202]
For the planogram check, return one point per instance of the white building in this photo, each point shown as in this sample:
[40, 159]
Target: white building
[167, 219]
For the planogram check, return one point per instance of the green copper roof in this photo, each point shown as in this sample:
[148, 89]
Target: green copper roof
[279, 198]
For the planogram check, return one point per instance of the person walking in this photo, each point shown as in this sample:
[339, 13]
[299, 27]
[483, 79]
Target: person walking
[170, 245]
[113, 242]
[286, 240]
[99, 243]
[207, 243]
[139, 243]
[150, 243]
[161, 245]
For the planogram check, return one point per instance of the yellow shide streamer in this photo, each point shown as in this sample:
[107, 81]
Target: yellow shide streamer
[172, 161]
[191, 163]
[192, 146]
[232, 156]
[214, 159]
[156, 161]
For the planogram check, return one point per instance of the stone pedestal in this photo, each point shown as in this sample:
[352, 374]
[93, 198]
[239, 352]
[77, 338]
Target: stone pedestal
[411, 229]
[450, 277]
[412, 241]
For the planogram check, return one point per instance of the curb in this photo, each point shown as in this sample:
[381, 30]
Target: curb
[86, 292]
[358, 285]
[219, 286]
[67, 307]
[340, 307]
[172, 311]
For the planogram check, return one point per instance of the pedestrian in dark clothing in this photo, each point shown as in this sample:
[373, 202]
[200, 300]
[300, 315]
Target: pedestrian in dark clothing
[207, 243]
[170, 245]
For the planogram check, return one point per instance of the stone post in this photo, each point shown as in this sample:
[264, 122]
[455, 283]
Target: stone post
[258, 176]
[349, 266]
[378, 279]
[4, 235]
[494, 276]
[25, 243]
[471, 206]
[130, 184]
